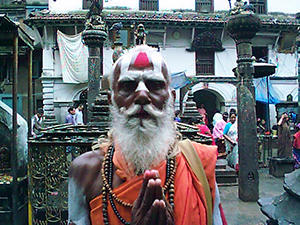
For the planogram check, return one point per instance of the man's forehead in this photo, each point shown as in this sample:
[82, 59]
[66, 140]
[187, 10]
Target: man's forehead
[141, 61]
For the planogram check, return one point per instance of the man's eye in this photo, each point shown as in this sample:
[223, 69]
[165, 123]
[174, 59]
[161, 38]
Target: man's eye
[127, 86]
[155, 85]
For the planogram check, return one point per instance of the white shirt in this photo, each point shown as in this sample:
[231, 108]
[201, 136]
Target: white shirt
[78, 117]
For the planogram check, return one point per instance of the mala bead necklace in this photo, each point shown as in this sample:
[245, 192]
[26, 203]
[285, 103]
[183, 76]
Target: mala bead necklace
[107, 173]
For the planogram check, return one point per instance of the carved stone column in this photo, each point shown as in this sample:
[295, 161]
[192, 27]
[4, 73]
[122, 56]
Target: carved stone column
[242, 27]
[93, 36]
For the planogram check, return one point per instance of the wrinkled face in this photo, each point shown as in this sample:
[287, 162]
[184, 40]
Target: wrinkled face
[142, 108]
[140, 79]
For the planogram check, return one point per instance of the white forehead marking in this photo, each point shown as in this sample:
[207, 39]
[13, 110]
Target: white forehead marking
[141, 87]
[157, 64]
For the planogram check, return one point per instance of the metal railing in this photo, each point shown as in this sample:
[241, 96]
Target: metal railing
[49, 160]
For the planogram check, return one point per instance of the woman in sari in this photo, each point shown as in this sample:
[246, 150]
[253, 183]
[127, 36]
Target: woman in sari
[231, 138]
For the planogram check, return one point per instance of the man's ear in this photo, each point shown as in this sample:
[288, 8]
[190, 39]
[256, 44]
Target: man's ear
[109, 97]
[174, 95]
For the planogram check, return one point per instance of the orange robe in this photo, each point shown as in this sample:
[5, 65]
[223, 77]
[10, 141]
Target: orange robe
[189, 198]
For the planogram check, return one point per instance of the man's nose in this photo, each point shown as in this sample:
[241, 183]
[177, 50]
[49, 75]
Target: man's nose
[142, 94]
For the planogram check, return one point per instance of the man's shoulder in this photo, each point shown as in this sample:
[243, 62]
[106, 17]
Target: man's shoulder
[86, 166]
[203, 147]
[207, 153]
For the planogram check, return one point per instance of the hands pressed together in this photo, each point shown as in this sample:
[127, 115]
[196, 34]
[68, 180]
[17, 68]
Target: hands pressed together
[151, 207]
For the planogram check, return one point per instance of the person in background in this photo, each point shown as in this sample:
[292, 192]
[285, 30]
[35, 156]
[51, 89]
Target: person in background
[203, 129]
[296, 146]
[70, 118]
[230, 135]
[202, 112]
[284, 137]
[261, 126]
[36, 123]
[79, 115]
[217, 117]
[177, 116]
[218, 132]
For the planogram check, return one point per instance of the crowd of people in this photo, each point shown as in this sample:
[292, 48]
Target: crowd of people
[224, 132]
[74, 116]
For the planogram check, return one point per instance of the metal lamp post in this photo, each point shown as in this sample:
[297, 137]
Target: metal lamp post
[242, 26]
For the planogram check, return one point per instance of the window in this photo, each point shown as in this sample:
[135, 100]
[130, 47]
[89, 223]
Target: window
[205, 63]
[150, 5]
[204, 6]
[260, 6]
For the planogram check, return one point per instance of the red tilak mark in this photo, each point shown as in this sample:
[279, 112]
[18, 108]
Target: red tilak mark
[141, 60]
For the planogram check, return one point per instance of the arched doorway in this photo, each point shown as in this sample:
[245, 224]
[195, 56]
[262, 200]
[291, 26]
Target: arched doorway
[212, 101]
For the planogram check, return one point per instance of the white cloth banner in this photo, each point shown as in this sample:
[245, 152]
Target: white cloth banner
[74, 58]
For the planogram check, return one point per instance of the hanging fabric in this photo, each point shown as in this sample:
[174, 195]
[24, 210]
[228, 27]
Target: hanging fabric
[263, 86]
[74, 58]
[179, 80]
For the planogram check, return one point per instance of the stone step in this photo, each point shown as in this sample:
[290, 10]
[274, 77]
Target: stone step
[224, 172]
[226, 176]
[221, 164]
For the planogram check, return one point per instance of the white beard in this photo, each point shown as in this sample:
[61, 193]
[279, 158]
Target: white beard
[144, 143]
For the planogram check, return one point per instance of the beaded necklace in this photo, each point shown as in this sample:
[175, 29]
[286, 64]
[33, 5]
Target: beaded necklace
[107, 173]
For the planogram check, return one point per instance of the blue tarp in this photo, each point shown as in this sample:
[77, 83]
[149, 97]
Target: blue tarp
[262, 86]
[179, 80]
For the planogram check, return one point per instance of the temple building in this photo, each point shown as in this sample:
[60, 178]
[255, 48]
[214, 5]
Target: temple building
[193, 40]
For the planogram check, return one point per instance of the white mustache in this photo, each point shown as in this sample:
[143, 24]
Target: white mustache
[134, 109]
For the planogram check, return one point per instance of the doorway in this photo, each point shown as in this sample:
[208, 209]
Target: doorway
[212, 101]
[263, 113]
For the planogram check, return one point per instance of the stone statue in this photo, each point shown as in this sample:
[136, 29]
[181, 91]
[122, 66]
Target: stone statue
[118, 44]
[94, 20]
[140, 35]
[241, 8]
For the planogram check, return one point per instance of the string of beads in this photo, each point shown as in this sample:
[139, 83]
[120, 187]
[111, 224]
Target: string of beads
[107, 173]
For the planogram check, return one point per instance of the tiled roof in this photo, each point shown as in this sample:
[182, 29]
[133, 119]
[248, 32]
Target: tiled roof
[161, 17]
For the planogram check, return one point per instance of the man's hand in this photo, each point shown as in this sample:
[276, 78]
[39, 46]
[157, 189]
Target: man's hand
[151, 206]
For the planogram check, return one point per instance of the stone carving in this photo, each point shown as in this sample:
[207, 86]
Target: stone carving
[242, 8]
[94, 20]
[140, 35]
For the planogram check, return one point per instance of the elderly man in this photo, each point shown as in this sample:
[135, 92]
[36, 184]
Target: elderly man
[140, 176]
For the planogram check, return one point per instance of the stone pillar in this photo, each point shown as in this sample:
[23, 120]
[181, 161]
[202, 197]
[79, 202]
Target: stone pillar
[93, 36]
[48, 79]
[48, 96]
[242, 27]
